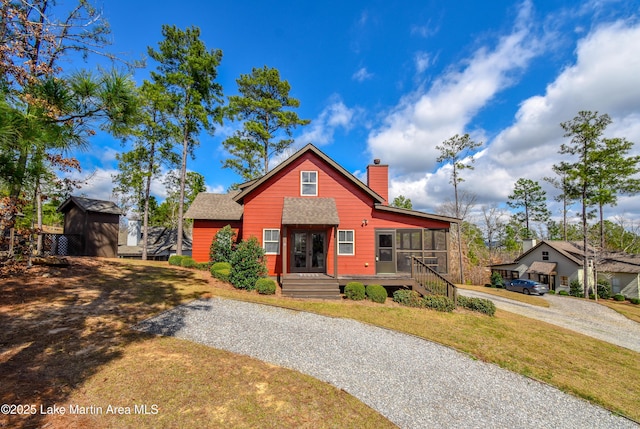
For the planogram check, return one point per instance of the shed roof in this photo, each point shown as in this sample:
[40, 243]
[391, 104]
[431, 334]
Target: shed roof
[90, 205]
[207, 206]
[310, 211]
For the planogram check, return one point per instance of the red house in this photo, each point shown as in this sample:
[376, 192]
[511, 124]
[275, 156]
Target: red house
[320, 226]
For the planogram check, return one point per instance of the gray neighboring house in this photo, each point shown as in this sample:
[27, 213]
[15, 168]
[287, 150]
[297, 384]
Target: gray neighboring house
[161, 242]
[622, 271]
[558, 263]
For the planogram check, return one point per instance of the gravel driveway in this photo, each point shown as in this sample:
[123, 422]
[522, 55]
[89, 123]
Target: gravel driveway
[413, 382]
[580, 315]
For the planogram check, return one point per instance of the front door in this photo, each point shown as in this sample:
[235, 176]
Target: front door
[385, 252]
[308, 252]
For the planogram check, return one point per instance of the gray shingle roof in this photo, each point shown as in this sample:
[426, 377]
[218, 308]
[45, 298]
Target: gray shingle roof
[619, 263]
[310, 211]
[207, 206]
[91, 205]
[161, 240]
[546, 268]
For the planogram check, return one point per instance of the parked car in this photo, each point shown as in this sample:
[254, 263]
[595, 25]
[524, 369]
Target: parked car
[527, 287]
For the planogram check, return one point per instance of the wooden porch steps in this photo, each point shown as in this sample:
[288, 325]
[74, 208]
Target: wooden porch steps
[318, 287]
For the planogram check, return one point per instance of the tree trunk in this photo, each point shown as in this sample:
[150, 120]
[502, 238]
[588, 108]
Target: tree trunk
[585, 263]
[183, 176]
[145, 217]
[460, 254]
[602, 240]
[39, 217]
[564, 217]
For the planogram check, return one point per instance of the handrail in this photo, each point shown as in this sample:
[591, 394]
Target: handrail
[431, 280]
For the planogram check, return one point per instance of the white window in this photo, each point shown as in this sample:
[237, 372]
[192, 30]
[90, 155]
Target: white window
[271, 241]
[309, 183]
[346, 242]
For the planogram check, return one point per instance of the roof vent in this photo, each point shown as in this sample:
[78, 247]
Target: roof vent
[376, 161]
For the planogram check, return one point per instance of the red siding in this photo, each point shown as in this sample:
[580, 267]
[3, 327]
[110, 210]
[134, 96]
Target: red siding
[203, 233]
[263, 210]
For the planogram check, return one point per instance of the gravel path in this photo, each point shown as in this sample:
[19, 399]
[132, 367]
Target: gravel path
[585, 317]
[413, 382]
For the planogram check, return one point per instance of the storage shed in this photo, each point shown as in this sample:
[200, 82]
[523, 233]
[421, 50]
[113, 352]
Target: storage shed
[95, 223]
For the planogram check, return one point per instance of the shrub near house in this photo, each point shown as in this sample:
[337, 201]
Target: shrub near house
[248, 264]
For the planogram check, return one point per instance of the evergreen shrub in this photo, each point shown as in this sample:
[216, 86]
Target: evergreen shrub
[635, 301]
[407, 297]
[223, 245]
[376, 293]
[354, 291]
[563, 293]
[496, 279]
[204, 266]
[481, 305]
[575, 289]
[188, 262]
[266, 286]
[248, 264]
[221, 271]
[175, 260]
[439, 303]
[604, 289]
[618, 297]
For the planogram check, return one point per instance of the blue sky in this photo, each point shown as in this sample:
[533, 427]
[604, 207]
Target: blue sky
[392, 80]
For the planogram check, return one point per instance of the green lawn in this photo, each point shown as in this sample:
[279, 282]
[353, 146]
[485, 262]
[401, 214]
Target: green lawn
[76, 347]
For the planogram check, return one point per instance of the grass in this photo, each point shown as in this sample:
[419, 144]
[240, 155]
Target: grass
[191, 385]
[98, 360]
[66, 340]
[627, 309]
[595, 370]
[515, 296]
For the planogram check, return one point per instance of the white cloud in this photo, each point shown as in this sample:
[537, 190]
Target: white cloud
[108, 155]
[361, 75]
[425, 30]
[422, 61]
[425, 118]
[604, 77]
[217, 189]
[97, 184]
[321, 130]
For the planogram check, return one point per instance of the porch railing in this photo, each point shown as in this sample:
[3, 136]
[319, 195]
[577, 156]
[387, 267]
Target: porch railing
[431, 280]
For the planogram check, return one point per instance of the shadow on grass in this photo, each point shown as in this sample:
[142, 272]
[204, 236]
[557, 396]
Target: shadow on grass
[58, 326]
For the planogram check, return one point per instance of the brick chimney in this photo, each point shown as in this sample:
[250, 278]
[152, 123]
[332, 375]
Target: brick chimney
[378, 179]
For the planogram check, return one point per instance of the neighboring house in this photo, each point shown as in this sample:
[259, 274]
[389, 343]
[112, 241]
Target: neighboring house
[622, 271]
[315, 219]
[558, 263]
[161, 242]
[90, 228]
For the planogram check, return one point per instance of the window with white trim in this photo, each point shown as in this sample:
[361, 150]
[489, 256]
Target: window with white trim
[271, 241]
[309, 183]
[346, 242]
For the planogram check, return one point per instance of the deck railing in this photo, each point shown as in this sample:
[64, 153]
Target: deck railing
[431, 280]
